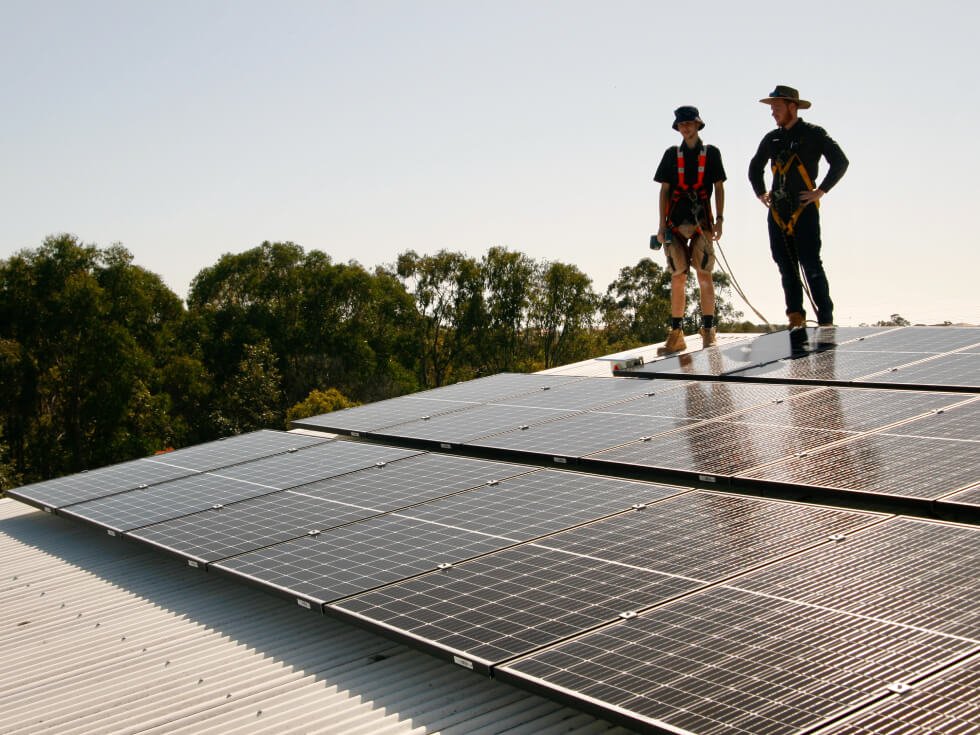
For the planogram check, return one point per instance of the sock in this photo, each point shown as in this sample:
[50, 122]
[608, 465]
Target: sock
[676, 322]
[708, 321]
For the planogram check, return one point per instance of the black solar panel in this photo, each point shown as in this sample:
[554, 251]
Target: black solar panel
[959, 369]
[235, 449]
[849, 409]
[956, 422]
[945, 703]
[538, 503]
[581, 394]
[707, 536]
[513, 601]
[495, 387]
[886, 464]
[136, 508]
[706, 399]
[314, 463]
[357, 557]
[831, 366]
[96, 483]
[473, 423]
[917, 339]
[717, 448]
[970, 496]
[580, 434]
[727, 661]
[907, 571]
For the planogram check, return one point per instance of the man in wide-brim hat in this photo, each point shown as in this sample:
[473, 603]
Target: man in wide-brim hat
[794, 150]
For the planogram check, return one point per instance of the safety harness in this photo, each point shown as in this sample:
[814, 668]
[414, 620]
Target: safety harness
[779, 171]
[697, 194]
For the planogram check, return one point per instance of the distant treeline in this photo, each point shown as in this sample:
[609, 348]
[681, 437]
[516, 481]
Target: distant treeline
[100, 362]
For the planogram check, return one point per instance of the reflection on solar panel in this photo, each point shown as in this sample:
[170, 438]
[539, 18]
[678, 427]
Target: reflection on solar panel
[706, 399]
[730, 534]
[917, 339]
[945, 703]
[831, 366]
[581, 394]
[729, 661]
[717, 448]
[956, 369]
[957, 422]
[885, 464]
[917, 573]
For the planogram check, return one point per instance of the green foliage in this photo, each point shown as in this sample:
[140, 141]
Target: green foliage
[895, 320]
[318, 402]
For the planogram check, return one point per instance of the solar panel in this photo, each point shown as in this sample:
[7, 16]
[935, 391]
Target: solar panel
[495, 387]
[913, 572]
[830, 366]
[917, 339]
[581, 394]
[848, 409]
[538, 503]
[235, 449]
[374, 416]
[728, 661]
[970, 496]
[707, 536]
[961, 369]
[456, 428]
[584, 433]
[884, 464]
[164, 501]
[357, 557]
[314, 463]
[280, 516]
[514, 601]
[97, 483]
[956, 422]
[706, 399]
[713, 449]
[945, 703]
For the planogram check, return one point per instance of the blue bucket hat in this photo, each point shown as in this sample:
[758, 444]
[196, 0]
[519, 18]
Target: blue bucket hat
[687, 113]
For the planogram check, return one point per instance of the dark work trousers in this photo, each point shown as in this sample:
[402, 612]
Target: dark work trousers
[804, 244]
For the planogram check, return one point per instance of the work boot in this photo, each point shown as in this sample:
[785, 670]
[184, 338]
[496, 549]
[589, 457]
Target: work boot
[675, 341]
[709, 337]
[797, 319]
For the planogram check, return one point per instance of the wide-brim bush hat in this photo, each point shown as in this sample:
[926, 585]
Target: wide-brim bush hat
[782, 92]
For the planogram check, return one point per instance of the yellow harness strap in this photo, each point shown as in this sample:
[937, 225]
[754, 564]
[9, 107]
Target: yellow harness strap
[777, 170]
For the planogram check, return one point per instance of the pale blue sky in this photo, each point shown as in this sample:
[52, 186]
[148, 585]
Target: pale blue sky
[185, 130]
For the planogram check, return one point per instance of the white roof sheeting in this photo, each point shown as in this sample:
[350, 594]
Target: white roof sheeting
[100, 635]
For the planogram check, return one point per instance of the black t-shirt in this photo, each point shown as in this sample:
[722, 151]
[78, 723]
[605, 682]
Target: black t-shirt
[810, 143]
[714, 171]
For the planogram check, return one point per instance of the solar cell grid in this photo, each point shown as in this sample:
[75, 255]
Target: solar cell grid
[374, 416]
[960, 422]
[248, 525]
[848, 409]
[959, 369]
[917, 339]
[97, 483]
[411, 480]
[581, 434]
[970, 496]
[313, 463]
[235, 449]
[538, 503]
[886, 464]
[513, 601]
[581, 394]
[946, 703]
[357, 557]
[727, 661]
[718, 447]
[136, 508]
[706, 399]
[495, 387]
[831, 366]
[907, 571]
[729, 533]
[463, 426]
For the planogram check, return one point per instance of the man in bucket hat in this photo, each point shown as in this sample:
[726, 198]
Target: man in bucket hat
[687, 176]
[794, 150]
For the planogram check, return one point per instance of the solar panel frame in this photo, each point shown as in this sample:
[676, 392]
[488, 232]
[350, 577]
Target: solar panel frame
[379, 415]
[678, 665]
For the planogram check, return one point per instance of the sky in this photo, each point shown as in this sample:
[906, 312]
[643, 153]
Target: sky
[185, 130]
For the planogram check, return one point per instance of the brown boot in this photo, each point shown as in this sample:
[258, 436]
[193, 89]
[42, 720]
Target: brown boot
[797, 319]
[709, 337]
[675, 341]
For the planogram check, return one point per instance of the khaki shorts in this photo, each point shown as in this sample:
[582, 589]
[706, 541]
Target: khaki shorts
[700, 253]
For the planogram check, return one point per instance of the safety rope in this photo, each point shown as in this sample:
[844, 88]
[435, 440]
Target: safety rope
[727, 270]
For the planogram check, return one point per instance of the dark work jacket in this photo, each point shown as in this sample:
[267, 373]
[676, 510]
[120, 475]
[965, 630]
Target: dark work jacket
[808, 141]
[714, 171]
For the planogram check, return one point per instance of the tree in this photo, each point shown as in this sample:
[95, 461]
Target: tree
[564, 312]
[895, 320]
[508, 283]
[253, 395]
[85, 335]
[318, 402]
[636, 306]
[448, 292]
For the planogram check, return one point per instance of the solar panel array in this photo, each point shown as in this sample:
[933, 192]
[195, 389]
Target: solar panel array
[706, 606]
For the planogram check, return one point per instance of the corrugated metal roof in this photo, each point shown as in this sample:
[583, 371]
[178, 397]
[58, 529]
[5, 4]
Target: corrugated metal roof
[102, 636]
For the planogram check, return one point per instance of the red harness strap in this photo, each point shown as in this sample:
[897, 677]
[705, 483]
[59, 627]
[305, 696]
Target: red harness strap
[696, 192]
